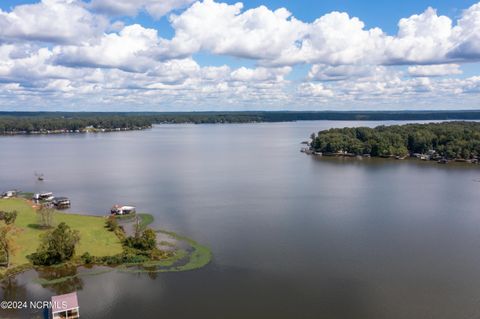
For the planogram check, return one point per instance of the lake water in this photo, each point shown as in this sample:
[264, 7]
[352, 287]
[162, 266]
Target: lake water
[292, 236]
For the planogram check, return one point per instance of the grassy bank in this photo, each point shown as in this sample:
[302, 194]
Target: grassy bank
[94, 237]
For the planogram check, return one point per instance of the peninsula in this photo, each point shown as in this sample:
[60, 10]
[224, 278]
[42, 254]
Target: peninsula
[35, 238]
[459, 141]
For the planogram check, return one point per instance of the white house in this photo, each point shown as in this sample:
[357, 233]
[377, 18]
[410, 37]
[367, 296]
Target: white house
[9, 194]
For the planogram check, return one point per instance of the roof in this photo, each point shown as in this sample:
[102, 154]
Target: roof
[46, 194]
[60, 198]
[64, 302]
[123, 207]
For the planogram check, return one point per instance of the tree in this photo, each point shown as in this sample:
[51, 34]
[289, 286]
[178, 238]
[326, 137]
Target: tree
[8, 217]
[45, 215]
[7, 242]
[448, 139]
[145, 240]
[57, 246]
[149, 239]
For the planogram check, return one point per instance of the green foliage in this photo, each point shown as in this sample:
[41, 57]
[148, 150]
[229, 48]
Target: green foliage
[45, 122]
[112, 223]
[124, 258]
[451, 140]
[149, 239]
[199, 255]
[95, 238]
[45, 216]
[57, 246]
[145, 220]
[144, 240]
[127, 257]
[87, 258]
[7, 243]
[8, 217]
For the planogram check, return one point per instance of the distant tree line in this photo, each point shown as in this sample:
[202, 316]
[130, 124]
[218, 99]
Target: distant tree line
[450, 140]
[42, 122]
[13, 124]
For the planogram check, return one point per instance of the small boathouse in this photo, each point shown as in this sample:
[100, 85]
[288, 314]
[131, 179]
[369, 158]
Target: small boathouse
[65, 306]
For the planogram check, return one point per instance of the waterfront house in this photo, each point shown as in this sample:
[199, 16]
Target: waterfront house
[65, 306]
[9, 194]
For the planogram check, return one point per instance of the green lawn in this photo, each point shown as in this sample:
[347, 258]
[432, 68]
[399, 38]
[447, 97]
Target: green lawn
[94, 237]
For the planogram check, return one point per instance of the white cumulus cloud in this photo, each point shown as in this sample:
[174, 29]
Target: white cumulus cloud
[59, 21]
[86, 52]
[434, 70]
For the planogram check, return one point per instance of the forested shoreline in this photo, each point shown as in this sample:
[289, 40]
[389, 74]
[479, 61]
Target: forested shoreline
[12, 123]
[457, 140]
[43, 124]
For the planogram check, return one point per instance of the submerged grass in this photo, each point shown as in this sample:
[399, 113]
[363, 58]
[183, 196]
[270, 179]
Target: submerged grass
[46, 282]
[145, 219]
[199, 255]
[195, 257]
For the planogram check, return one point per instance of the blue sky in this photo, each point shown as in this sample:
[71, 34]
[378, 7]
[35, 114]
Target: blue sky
[166, 55]
[384, 14]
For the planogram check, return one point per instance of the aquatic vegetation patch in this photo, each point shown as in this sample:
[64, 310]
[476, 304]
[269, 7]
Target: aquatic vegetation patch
[199, 255]
[145, 219]
[58, 280]
[195, 256]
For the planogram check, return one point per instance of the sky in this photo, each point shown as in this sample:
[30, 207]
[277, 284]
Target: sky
[186, 55]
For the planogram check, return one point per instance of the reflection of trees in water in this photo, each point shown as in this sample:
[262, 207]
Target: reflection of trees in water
[67, 276]
[11, 290]
[151, 271]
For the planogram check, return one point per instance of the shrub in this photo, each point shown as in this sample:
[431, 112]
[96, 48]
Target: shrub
[8, 217]
[112, 223]
[87, 258]
[146, 240]
[124, 258]
[57, 246]
[45, 216]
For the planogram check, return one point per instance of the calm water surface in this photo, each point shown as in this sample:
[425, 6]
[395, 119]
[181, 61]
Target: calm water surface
[292, 236]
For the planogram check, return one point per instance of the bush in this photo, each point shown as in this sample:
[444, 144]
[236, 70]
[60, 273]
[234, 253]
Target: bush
[124, 258]
[146, 241]
[8, 217]
[112, 223]
[45, 216]
[87, 258]
[57, 246]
